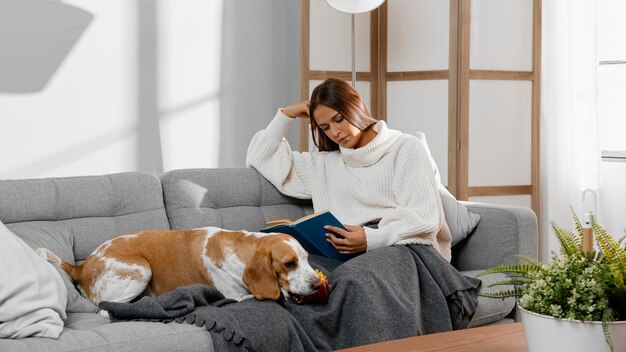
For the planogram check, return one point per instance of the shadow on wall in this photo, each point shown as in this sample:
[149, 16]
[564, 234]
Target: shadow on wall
[260, 72]
[52, 28]
[149, 147]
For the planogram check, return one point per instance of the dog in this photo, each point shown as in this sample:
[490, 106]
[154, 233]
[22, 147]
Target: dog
[240, 264]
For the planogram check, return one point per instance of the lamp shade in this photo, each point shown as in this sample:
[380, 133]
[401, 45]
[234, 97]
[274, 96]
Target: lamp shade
[354, 6]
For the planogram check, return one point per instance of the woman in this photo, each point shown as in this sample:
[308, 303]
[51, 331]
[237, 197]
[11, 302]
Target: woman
[364, 172]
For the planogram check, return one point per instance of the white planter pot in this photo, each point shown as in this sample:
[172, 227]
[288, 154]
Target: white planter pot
[546, 333]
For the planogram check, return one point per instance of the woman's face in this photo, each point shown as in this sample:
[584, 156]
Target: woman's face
[338, 128]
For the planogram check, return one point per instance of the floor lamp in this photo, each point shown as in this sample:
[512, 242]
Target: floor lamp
[353, 7]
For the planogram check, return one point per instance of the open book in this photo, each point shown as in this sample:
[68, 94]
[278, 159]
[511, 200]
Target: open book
[310, 232]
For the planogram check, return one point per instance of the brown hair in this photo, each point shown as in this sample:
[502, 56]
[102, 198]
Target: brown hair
[343, 98]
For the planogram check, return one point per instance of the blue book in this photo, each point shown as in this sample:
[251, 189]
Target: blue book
[311, 234]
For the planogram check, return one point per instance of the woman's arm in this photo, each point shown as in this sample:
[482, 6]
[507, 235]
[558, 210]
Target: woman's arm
[270, 153]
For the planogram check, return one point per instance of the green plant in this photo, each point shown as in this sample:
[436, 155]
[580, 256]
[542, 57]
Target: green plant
[574, 284]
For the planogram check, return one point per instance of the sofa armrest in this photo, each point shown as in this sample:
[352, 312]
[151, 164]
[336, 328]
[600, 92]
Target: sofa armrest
[503, 232]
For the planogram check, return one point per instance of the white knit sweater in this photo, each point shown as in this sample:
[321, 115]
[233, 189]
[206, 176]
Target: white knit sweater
[390, 179]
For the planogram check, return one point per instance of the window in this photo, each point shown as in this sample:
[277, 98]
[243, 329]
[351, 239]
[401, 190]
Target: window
[611, 46]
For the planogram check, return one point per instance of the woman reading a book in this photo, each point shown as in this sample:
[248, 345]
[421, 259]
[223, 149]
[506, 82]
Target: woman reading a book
[363, 173]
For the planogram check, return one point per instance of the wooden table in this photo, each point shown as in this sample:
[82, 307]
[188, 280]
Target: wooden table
[504, 337]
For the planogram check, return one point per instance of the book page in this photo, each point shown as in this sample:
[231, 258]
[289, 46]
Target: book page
[281, 221]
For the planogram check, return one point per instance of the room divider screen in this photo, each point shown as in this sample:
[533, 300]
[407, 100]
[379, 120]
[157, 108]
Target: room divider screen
[464, 72]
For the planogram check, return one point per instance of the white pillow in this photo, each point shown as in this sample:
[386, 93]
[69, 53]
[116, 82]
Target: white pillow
[460, 220]
[32, 294]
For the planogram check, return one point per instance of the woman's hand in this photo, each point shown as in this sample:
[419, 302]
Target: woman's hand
[353, 241]
[299, 109]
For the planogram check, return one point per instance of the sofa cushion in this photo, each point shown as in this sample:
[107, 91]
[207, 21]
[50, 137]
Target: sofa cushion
[32, 294]
[94, 332]
[459, 219]
[76, 302]
[93, 208]
[55, 237]
[490, 310]
[504, 231]
[233, 199]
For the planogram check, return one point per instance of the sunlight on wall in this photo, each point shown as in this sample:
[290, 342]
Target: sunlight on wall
[138, 91]
[189, 68]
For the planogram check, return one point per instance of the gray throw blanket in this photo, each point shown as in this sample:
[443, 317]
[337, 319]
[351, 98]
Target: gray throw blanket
[390, 293]
[249, 325]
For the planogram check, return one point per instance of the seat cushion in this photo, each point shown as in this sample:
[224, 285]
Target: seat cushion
[94, 332]
[490, 310]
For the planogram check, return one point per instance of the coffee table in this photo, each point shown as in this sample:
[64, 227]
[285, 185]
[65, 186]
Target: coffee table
[503, 337]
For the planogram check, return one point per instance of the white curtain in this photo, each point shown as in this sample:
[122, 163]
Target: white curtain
[570, 154]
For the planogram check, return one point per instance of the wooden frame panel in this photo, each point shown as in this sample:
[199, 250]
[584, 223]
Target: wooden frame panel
[499, 190]
[462, 172]
[305, 27]
[374, 66]
[453, 96]
[381, 113]
[417, 75]
[534, 77]
[536, 112]
[502, 75]
[322, 75]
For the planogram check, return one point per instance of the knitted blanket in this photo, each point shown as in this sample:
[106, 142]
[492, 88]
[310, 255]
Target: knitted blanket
[249, 325]
[390, 293]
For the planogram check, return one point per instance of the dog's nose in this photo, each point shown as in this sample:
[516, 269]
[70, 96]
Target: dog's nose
[315, 285]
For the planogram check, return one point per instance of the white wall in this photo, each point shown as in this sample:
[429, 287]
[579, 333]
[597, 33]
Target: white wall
[92, 87]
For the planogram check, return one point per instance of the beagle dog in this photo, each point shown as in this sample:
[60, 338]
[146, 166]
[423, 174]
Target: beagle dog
[239, 264]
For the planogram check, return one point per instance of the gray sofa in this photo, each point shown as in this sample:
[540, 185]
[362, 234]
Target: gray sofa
[74, 215]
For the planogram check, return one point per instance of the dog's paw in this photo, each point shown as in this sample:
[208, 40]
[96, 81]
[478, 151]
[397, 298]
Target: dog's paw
[104, 313]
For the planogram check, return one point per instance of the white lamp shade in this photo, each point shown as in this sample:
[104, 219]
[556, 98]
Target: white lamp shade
[354, 6]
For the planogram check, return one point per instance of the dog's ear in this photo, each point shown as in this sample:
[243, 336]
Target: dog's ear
[260, 277]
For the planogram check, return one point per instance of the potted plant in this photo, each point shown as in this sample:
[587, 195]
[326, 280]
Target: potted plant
[577, 291]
